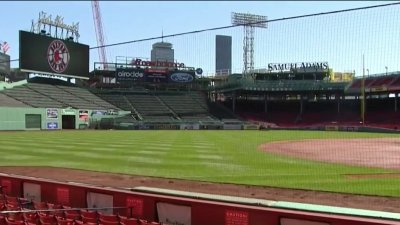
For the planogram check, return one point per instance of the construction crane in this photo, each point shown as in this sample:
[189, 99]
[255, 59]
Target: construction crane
[98, 25]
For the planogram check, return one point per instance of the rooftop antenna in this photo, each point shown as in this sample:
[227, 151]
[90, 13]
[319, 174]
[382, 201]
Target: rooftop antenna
[162, 35]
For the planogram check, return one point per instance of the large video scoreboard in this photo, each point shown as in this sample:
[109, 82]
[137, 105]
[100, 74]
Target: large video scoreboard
[43, 54]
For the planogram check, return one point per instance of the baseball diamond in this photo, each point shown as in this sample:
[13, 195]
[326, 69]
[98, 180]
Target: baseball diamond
[289, 121]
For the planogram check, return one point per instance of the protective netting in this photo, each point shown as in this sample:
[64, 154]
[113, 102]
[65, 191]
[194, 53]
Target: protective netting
[339, 38]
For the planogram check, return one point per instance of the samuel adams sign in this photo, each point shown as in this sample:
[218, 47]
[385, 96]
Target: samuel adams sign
[303, 66]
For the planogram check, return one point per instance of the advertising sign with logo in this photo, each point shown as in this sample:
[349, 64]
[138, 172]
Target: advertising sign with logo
[52, 125]
[235, 217]
[58, 56]
[83, 115]
[52, 113]
[129, 74]
[190, 126]
[181, 77]
[301, 67]
[99, 112]
[68, 112]
[156, 76]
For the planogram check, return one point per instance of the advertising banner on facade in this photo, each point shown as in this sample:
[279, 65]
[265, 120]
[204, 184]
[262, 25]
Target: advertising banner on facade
[156, 75]
[182, 77]
[129, 74]
[190, 126]
[52, 113]
[52, 125]
[84, 115]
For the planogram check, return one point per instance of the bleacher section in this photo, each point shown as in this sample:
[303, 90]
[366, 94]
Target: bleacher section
[32, 98]
[86, 95]
[55, 96]
[185, 107]
[166, 106]
[376, 84]
[10, 102]
[150, 107]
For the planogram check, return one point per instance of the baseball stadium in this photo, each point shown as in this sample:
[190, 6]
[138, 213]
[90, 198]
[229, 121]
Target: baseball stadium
[289, 121]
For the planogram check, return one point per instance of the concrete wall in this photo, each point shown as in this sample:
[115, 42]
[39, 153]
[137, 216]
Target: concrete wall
[144, 205]
[14, 118]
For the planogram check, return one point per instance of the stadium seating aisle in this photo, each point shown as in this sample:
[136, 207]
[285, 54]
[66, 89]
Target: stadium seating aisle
[20, 211]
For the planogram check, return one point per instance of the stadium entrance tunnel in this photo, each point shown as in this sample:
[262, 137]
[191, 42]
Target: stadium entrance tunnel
[68, 121]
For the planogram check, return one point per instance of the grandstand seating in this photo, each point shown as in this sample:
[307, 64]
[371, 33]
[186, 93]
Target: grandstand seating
[21, 211]
[379, 113]
[150, 107]
[55, 96]
[185, 107]
[30, 97]
[165, 106]
[86, 95]
[391, 82]
[118, 100]
[395, 82]
[10, 102]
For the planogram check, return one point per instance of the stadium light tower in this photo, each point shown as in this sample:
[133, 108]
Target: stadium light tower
[249, 22]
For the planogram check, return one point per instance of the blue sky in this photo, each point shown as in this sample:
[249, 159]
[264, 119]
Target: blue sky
[133, 20]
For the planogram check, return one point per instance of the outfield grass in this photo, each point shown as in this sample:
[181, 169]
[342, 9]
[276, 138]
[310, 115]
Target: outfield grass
[218, 156]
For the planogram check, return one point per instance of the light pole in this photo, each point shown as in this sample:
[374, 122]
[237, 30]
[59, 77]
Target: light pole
[386, 69]
[367, 72]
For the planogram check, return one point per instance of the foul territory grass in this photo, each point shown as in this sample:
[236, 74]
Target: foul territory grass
[217, 156]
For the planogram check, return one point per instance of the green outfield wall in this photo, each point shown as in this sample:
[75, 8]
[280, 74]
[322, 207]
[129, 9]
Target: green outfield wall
[21, 118]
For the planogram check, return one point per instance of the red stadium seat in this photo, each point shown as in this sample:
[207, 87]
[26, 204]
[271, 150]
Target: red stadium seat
[2, 220]
[63, 221]
[109, 218]
[106, 222]
[12, 207]
[73, 215]
[11, 199]
[46, 219]
[39, 205]
[128, 221]
[15, 216]
[14, 222]
[31, 217]
[88, 219]
[89, 214]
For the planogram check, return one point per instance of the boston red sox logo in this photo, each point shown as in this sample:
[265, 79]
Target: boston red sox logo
[58, 56]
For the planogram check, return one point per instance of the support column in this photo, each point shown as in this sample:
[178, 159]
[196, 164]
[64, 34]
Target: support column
[266, 102]
[395, 102]
[301, 104]
[338, 97]
[233, 102]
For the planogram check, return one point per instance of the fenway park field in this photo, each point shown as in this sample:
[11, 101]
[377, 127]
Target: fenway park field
[308, 160]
